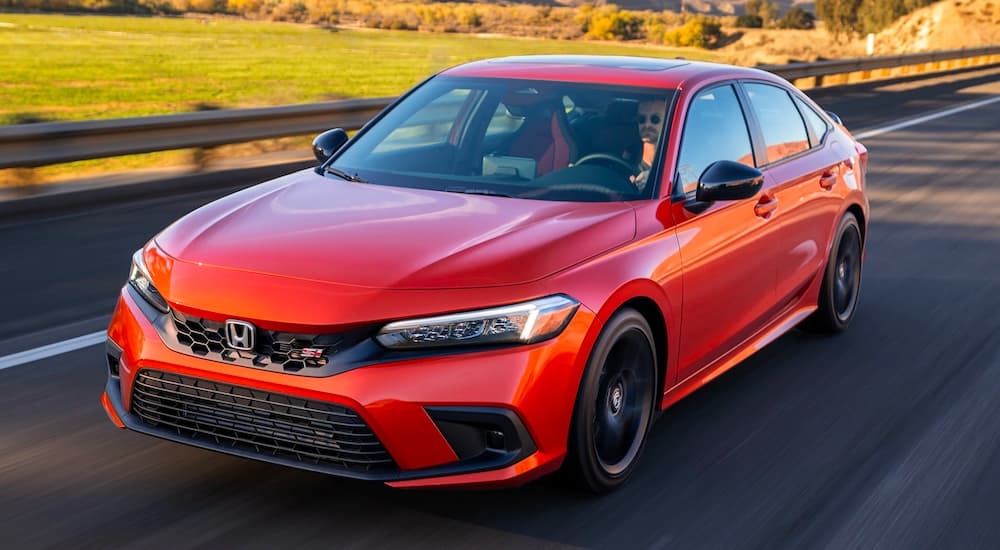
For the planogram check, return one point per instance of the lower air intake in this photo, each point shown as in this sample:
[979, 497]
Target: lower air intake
[259, 422]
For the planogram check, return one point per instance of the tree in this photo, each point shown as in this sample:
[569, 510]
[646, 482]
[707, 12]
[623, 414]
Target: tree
[766, 10]
[797, 18]
[840, 16]
[875, 15]
[848, 17]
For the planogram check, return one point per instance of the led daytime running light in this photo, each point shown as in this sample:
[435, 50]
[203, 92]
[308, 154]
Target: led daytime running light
[139, 278]
[524, 323]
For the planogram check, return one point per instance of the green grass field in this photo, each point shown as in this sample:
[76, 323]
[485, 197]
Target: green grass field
[58, 67]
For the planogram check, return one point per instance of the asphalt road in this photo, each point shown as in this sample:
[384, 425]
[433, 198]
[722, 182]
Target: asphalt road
[884, 437]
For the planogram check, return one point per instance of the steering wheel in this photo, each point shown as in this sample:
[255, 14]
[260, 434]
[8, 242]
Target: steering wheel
[632, 171]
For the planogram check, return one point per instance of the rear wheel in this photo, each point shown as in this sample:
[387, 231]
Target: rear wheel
[614, 405]
[838, 297]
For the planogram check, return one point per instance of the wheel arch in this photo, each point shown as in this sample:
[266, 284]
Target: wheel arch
[583, 464]
[651, 311]
[659, 304]
[859, 213]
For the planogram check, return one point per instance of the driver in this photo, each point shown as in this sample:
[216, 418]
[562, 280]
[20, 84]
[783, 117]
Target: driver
[651, 115]
[650, 118]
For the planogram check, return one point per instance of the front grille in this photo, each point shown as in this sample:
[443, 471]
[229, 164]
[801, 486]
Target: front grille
[284, 351]
[259, 422]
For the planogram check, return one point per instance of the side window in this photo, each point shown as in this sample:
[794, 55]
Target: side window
[431, 125]
[714, 129]
[783, 128]
[815, 122]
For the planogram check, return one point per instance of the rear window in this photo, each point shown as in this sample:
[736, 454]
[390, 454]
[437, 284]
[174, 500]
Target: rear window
[817, 125]
[784, 131]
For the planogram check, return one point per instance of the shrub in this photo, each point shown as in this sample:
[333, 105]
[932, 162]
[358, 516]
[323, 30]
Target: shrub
[699, 32]
[470, 18]
[797, 18]
[748, 21]
[611, 23]
[291, 11]
[245, 7]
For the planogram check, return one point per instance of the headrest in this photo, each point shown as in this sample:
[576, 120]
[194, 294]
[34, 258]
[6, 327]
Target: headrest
[620, 136]
[622, 111]
[528, 100]
[522, 96]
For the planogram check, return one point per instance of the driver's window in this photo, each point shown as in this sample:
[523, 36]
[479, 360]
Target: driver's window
[714, 129]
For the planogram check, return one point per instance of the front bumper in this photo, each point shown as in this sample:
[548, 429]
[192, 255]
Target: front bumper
[496, 417]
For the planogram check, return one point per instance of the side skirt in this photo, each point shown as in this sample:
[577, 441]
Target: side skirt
[771, 332]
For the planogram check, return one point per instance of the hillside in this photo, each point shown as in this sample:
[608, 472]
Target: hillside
[713, 7]
[948, 24]
[776, 47]
[945, 25]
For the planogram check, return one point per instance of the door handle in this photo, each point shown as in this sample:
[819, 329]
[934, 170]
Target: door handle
[765, 207]
[828, 179]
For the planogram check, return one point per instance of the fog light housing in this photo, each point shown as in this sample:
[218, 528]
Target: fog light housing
[482, 433]
[114, 355]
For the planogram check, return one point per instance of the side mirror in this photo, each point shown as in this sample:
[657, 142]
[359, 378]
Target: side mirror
[726, 180]
[835, 117]
[327, 143]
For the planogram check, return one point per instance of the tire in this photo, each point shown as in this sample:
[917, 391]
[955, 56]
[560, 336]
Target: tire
[614, 405]
[841, 288]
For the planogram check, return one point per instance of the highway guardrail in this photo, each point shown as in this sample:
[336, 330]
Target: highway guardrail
[33, 145]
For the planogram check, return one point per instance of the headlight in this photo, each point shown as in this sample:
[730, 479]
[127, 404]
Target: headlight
[138, 277]
[523, 323]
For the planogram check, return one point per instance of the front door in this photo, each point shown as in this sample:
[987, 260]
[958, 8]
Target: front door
[727, 249]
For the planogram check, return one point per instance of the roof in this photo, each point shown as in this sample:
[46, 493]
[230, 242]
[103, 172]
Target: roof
[631, 70]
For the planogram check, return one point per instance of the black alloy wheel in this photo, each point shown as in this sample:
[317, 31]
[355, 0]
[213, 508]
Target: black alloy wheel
[841, 288]
[614, 405]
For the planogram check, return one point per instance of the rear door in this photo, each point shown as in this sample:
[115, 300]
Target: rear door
[800, 172]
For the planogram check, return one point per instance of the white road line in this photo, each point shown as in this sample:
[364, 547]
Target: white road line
[921, 119]
[50, 350]
[94, 338]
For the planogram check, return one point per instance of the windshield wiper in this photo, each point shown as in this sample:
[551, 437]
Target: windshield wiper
[344, 175]
[487, 192]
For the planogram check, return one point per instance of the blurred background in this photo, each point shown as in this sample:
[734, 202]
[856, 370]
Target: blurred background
[883, 437]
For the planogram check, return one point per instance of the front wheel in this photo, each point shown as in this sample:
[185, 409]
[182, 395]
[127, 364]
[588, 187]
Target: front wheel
[614, 405]
[841, 288]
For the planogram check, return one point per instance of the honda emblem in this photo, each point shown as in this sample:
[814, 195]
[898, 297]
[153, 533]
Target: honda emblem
[239, 335]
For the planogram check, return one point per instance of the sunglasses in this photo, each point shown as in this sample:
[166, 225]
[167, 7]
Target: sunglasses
[653, 119]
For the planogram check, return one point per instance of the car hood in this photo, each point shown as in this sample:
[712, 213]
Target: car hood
[310, 227]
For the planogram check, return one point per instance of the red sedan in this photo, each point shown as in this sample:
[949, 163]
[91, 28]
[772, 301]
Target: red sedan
[509, 270]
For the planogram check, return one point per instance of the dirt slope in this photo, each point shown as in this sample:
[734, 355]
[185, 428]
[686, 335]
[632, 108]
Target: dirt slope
[713, 7]
[945, 25]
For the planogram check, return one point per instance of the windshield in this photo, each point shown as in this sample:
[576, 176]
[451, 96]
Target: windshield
[561, 141]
